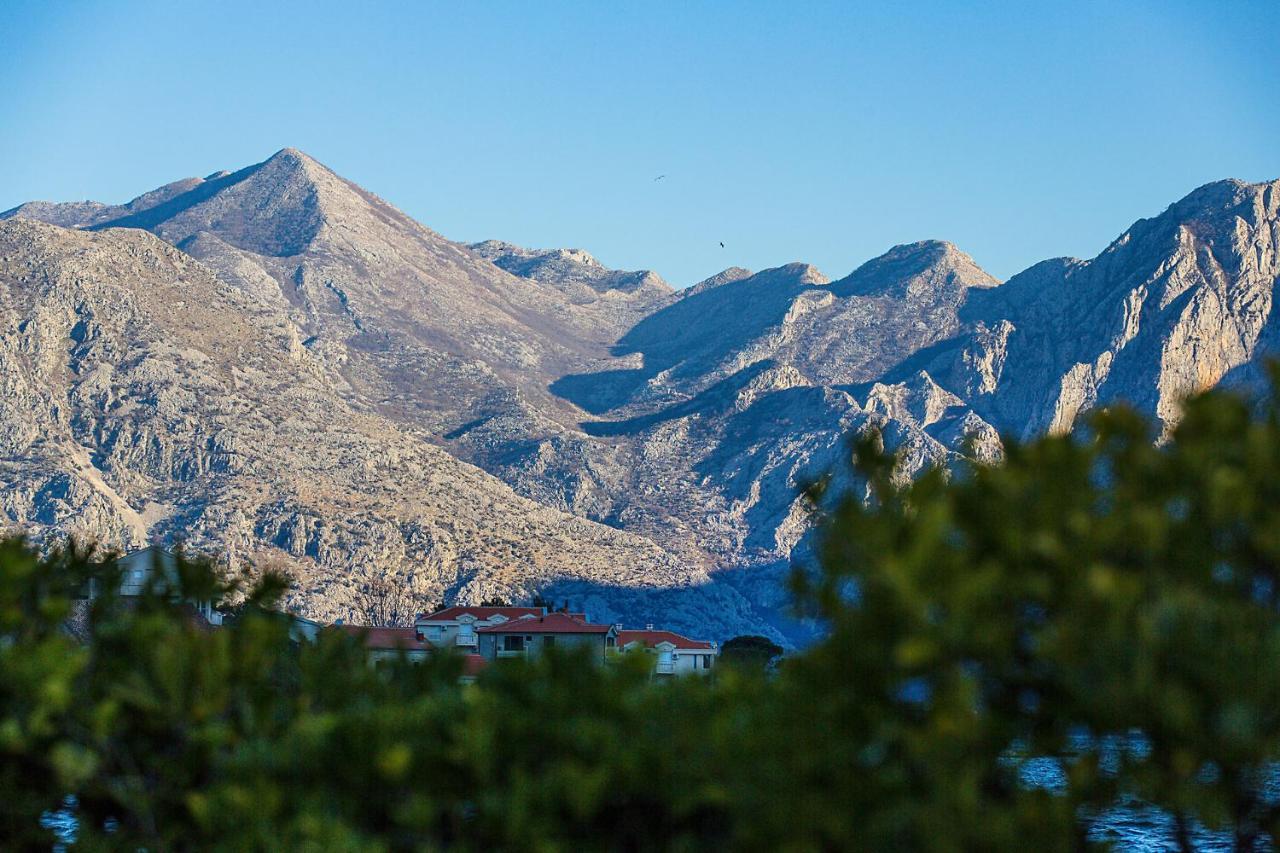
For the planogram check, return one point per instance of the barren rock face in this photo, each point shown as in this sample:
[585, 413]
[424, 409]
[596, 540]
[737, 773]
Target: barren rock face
[1173, 306]
[146, 396]
[287, 366]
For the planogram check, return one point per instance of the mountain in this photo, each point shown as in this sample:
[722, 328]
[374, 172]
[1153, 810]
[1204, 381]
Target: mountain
[1173, 306]
[620, 298]
[386, 381]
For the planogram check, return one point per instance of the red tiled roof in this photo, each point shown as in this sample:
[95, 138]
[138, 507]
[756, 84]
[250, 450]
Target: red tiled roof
[387, 638]
[472, 664]
[552, 623]
[451, 614]
[652, 638]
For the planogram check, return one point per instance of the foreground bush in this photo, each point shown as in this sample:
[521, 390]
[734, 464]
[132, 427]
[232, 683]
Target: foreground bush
[1097, 600]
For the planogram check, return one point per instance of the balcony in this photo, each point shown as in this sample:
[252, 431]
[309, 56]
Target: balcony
[665, 667]
[468, 640]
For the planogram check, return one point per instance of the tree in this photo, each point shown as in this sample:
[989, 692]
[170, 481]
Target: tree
[382, 602]
[1098, 603]
[1096, 599]
[750, 650]
[496, 601]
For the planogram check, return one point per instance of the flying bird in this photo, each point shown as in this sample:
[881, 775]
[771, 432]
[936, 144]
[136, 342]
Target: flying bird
[660, 177]
[721, 244]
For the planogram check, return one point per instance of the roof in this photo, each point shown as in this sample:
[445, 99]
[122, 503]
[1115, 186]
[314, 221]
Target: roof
[552, 623]
[387, 638]
[653, 638]
[451, 614]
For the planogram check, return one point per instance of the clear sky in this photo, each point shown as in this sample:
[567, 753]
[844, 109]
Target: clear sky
[789, 131]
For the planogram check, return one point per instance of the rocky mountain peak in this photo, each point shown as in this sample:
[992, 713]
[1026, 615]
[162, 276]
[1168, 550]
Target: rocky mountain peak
[725, 276]
[275, 208]
[535, 263]
[572, 270]
[72, 214]
[798, 272]
[925, 270]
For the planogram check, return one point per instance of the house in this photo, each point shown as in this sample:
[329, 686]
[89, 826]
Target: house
[302, 629]
[389, 643]
[673, 653]
[531, 635]
[472, 666]
[455, 627]
[138, 574]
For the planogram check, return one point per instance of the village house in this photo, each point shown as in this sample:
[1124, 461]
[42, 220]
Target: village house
[530, 636]
[138, 575]
[389, 643]
[673, 654]
[456, 627]
[472, 666]
[303, 630]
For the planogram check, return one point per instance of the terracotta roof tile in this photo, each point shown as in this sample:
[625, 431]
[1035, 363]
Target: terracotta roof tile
[552, 623]
[387, 638]
[652, 638]
[451, 614]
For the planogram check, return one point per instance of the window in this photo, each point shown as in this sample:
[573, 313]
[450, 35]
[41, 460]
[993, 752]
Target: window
[706, 661]
[513, 643]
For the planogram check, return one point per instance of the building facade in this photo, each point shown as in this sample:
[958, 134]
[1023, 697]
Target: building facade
[673, 654]
[532, 635]
[457, 627]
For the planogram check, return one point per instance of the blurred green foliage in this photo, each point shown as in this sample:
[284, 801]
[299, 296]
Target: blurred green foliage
[1095, 599]
[750, 650]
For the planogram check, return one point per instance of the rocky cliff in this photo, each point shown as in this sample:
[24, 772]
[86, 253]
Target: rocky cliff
[287, 365]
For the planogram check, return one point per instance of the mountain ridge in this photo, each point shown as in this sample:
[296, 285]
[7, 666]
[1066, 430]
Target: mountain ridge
[684, 419]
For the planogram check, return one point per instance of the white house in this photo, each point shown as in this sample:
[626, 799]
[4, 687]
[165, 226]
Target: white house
[673, 653]
[137, 569]
[303, 630]
[456, 627]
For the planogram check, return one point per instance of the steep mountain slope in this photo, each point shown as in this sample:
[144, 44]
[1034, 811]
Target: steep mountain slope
[144, 396]
[683, 421]
[749, 385]
[1173, 306]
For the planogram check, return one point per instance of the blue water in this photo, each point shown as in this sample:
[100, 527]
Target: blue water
[1135, 827]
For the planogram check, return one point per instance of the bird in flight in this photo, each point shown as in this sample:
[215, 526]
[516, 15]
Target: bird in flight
[660, 177]
[721, 244]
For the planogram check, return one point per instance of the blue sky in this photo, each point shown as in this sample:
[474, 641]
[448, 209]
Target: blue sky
[805, 131]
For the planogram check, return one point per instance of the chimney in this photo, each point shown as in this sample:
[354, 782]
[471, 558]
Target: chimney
[617, 626]
[649, 627]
